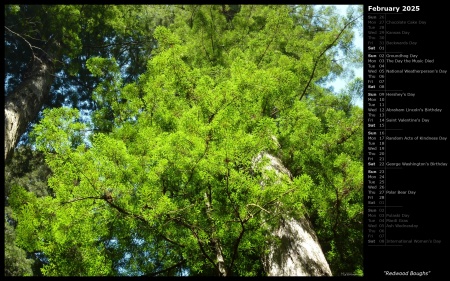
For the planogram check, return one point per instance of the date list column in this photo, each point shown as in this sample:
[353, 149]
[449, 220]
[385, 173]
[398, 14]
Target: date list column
[375, 203]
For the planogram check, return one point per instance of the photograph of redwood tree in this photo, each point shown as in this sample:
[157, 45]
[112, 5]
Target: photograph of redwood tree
[183, 140]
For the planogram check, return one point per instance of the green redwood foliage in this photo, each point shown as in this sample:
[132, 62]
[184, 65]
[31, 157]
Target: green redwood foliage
[163, 182]
[69, 35]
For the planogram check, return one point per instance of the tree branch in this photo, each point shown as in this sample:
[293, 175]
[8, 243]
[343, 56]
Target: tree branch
[167, 269]
[26, 41]
[214, 241]
[114, 44]
[236, 245]
[323, 52]
[267, 204]
[79, 199]
[270, 42]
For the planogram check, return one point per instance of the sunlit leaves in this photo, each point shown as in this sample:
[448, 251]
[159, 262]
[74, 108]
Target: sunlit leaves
[171, 165]
[59, 132]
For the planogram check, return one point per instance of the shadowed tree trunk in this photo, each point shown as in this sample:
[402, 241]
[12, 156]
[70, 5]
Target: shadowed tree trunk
[23, 105]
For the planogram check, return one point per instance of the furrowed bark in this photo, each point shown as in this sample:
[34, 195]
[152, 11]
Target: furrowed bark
[23, 105]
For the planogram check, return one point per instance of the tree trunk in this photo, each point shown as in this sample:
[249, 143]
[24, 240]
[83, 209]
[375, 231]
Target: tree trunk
[300, 253]
[23, 105]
